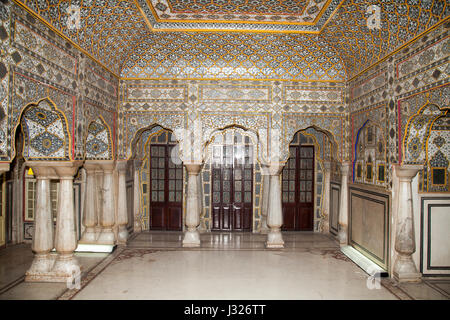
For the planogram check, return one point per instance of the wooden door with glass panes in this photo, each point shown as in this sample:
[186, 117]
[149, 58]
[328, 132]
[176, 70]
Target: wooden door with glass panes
[166, 185]
[2, 211]
[298, 189]
[232, 178]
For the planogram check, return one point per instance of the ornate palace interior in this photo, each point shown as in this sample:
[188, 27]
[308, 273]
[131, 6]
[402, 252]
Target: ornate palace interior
[282, 135]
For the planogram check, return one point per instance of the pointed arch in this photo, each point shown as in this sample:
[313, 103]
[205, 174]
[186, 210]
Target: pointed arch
[417, 132]
[45, 131]
[98, 141]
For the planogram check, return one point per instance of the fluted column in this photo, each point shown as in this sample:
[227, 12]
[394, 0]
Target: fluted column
[405, 244]
[43, 225]
[343, 205]
[65, 236]
[90, 205]
[326, 197]
[107, 222]
[137, 227]
[191, 236]
[275, 209]
[98, 200]
[122, 208]
[264, 200]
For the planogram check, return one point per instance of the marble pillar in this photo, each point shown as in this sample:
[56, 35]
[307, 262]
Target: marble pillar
[122, 208]
[98, 200]
[65, 235]
[326, 197]
[343, 205]
[264, 200]
[404, 269]
[108, 205]
[192, 236]
[43, 225]
[90, 205]
[275, 209]
[137, 226]
[4, 167]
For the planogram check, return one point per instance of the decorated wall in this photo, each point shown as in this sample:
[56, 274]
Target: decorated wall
[399, 100]
[275, 109]
[37, 64]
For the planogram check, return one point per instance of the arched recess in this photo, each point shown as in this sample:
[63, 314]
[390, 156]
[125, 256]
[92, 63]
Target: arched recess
[248, 174]
[335, 149]
[98, 142]
[255, 136]
[135, 123]
[324, 151]
[417, 132]
[435, 177]
[334, 124]
[46, 134]
[141, 159]
[259, 123]
[369, 158]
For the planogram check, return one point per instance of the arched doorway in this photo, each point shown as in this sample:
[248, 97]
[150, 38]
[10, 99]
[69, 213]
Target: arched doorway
[233, 164]
[298, 186]
[162, 181]
[304, 183]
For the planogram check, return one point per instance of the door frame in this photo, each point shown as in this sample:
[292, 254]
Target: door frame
[295, 206]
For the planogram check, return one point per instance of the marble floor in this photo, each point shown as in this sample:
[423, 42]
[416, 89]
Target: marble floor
[227, 266]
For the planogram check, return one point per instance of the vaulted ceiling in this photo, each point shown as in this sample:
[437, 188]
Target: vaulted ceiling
[240, 39]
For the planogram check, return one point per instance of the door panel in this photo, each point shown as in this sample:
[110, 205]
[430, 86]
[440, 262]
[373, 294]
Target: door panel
[157, 220]
[232, 181]
[298, 189]
[166, 185]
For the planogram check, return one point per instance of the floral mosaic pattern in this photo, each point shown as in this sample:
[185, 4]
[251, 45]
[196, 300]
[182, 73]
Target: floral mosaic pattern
[98, 141]
[107, 29]
[220, 55]
[401, 21]
[45, 131]
[294, 16]
[38, 64]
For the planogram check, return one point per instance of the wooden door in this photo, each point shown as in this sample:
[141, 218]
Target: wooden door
[2, 211]
[232, 179]
[166, 189]
[298, 189]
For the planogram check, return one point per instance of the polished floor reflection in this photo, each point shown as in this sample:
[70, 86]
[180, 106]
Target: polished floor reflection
[227, 266]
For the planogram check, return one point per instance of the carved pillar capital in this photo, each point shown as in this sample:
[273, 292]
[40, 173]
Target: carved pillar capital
[193, 168]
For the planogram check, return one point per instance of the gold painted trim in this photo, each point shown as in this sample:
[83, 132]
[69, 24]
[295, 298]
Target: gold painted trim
[37, 16]
[446, 180]
[231, 79]
[400, 48]
[20, 117]
[378, 172]
[228, 30]
[324, 7]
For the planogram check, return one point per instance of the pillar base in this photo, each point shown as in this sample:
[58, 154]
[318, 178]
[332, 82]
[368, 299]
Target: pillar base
[274, 239]
[66, 267]
[191, 239]
[405, 270]
[106, 237]
[89, 236]
[343, 235]
[40, 267]
[122, 235]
